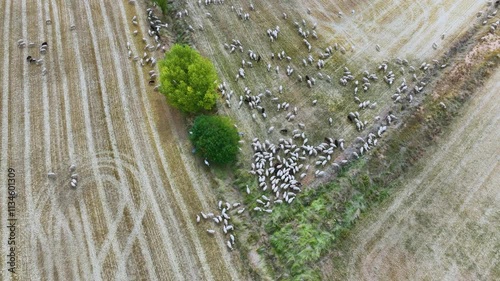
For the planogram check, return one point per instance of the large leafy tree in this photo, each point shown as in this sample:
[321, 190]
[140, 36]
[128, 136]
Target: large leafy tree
[188, 80]
[215, 138]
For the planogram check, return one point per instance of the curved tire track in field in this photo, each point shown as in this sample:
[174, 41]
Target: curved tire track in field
[138, 155]
[111, 134]
[83, 261]
[91, 147]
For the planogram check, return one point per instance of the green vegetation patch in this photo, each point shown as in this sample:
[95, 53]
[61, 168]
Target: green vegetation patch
[300, 235]
[163, 4]
[215, 138]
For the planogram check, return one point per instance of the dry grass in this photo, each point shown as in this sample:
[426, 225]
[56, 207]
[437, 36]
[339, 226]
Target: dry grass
[401, 241]
[404, 29]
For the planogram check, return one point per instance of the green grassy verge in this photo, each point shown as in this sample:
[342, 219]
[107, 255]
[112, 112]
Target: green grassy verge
[163, 4]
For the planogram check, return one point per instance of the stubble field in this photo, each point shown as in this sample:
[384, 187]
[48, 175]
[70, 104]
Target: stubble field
[140, 188]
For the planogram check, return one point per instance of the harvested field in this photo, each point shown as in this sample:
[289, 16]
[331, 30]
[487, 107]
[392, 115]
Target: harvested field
[140, 188]
[403, 29]
[133, 213]
[444, 223]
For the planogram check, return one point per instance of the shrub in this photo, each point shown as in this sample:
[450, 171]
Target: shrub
[215, 138]
[163, 5]
[188, 80]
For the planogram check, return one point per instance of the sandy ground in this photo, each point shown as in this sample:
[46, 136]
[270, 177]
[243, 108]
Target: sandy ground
[444, 223]
[133, 213]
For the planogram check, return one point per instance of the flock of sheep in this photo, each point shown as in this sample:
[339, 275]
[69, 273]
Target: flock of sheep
[279, 167]
[148, 57]
[23, 43]
[223, 219]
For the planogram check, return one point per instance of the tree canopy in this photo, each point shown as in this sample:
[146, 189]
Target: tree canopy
[188, 80]
[215, 138]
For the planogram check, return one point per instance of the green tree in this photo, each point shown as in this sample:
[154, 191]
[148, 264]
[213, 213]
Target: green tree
[188, 80]
[215, 138]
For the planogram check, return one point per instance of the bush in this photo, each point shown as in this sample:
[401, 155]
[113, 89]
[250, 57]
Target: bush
[163, 5]
[215, 138]
[188, 80]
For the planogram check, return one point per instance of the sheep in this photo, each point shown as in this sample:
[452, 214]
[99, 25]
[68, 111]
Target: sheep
[210, 231]
[21, 43]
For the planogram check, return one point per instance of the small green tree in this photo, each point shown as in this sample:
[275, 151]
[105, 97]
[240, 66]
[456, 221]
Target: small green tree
[215, 138]
[188, 80]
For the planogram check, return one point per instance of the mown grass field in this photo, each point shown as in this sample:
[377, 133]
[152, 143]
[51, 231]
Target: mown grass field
[295, 238]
